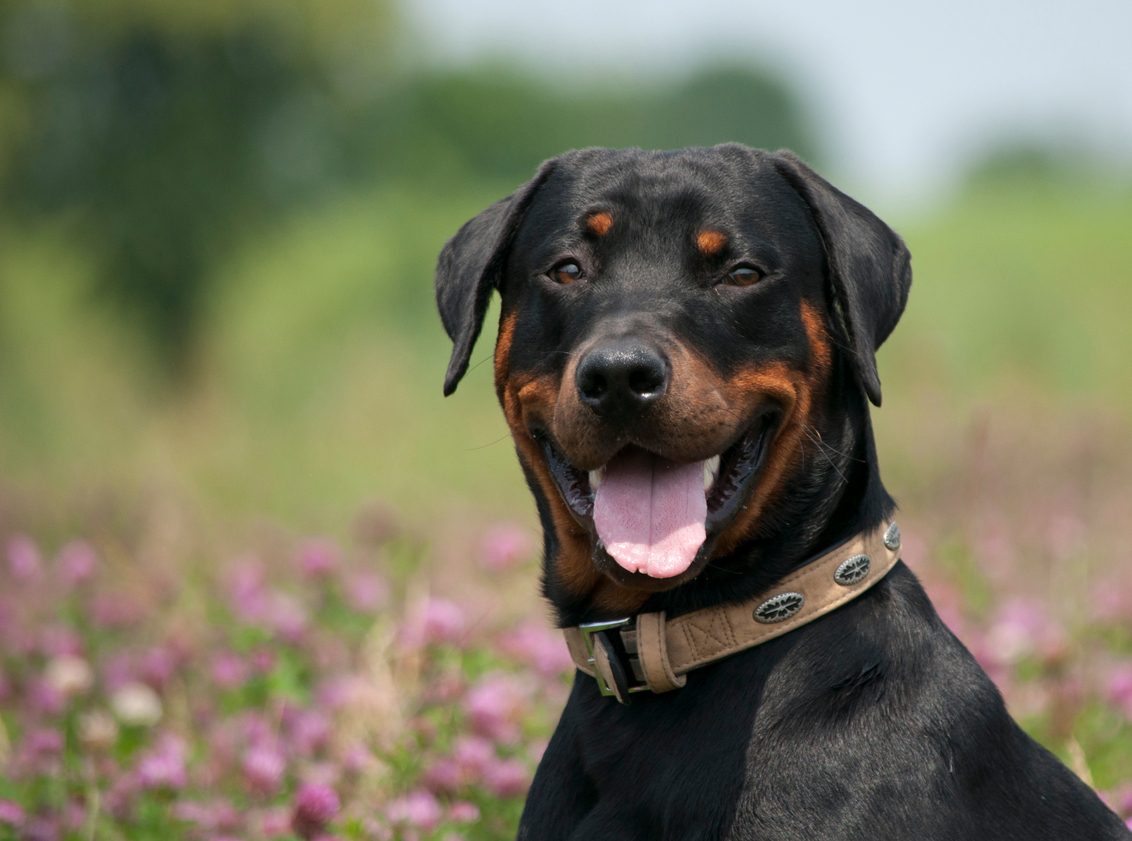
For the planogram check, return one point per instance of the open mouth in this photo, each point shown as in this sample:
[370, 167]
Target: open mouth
[655, 521]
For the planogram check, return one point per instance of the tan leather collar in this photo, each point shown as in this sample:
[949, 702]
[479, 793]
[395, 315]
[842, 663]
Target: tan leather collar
[660, 653]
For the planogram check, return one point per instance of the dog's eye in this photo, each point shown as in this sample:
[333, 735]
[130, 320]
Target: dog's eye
[743, 276]
[566, 272]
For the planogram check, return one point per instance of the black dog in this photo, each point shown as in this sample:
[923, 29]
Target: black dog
[685, 355]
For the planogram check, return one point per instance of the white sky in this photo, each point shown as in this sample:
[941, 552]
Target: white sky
[904, 93]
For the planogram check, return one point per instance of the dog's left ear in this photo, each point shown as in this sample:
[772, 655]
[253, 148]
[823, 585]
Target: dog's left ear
[471, 265]
[869, 264]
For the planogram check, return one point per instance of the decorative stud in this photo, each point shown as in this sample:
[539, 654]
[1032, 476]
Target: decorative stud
[779, 608]
[892, 537]
[852, 570]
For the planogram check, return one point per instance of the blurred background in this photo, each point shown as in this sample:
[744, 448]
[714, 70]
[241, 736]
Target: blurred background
[219, 221]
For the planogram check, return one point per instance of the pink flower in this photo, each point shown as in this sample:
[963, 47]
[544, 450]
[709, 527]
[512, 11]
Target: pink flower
[157, 665]
[263, 768]
[255, 728]
[275, 823]
[417, 808]
[1119, 688]
[443, 621]
[1123, 801]
[315, 806]
[462, 811]
[507, 778]
[42, 828]
[246, 592]
[229, 671]
[473, 754]
[1112, 599]
[74, 816]
[164, 766]
[318, 557]
[58, 640]
[535, 645]
[444, 775]
[286, 616]
[262, 660]
[308, 731]
[367, 592]
[23, 558]
[503, 546]
[215, 816]
[116, 610]
[357, 759]
[39, 754]
[11, 813]
[1022, 628]
[117, 671]
[495, 705]
[433, 622]
[77, 563]
[46, 698]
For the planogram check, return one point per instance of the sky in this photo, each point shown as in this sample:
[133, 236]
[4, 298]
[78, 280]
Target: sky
[905, 94]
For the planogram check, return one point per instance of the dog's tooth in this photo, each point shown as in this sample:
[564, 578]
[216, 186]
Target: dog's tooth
[595, 478]
[711, 470]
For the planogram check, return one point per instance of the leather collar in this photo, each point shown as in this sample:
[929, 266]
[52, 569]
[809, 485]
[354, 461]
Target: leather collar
[652, 654]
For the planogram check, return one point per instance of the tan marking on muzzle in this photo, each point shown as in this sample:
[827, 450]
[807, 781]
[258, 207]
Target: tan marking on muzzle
[522, 397]
[795, 390]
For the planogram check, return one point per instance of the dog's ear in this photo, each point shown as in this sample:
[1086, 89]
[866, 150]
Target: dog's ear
[471, 265]
[869, 264]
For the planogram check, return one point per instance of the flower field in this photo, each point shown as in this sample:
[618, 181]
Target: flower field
[376, 687]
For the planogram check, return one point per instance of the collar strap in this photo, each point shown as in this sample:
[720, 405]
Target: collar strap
[651, 654]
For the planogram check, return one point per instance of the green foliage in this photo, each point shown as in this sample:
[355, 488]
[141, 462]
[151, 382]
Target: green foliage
[493, 123]
[170, 133]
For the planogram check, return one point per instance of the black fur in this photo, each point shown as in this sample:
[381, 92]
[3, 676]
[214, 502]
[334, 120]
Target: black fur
[872, 722]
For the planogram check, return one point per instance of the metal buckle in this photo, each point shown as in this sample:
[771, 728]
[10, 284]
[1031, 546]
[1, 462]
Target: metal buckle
[589, 631]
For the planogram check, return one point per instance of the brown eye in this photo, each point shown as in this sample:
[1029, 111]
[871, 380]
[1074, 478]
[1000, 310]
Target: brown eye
[566, 272]
[743, 276]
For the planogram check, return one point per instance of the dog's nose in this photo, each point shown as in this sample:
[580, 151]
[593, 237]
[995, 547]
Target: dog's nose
[619, 380]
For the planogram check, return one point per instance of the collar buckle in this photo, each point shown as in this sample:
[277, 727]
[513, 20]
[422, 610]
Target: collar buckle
[611, 659]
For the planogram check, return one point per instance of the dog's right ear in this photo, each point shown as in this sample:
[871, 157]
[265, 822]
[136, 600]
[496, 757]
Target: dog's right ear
[471, 265]
[870, 266]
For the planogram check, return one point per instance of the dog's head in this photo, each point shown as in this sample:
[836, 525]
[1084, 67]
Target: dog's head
[673, 325]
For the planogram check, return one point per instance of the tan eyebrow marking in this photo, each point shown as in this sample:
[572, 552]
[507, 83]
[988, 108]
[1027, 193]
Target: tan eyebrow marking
[711, 242]
[599, 223]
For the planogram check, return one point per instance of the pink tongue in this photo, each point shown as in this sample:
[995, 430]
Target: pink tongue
[650, 512]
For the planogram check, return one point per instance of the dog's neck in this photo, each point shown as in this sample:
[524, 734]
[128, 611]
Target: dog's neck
[835, 494]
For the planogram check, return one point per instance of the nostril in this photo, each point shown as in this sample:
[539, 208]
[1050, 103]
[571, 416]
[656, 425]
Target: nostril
[645, 381]
[594, 387]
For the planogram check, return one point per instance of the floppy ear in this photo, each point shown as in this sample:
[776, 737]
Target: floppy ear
[870, 267]
[471, 265]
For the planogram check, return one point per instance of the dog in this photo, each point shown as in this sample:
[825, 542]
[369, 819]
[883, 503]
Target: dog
[685, 359]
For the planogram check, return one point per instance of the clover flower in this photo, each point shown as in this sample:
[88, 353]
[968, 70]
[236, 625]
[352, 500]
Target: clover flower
[315, 806]
[503, 546]
[77, 564]
[418, 808]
